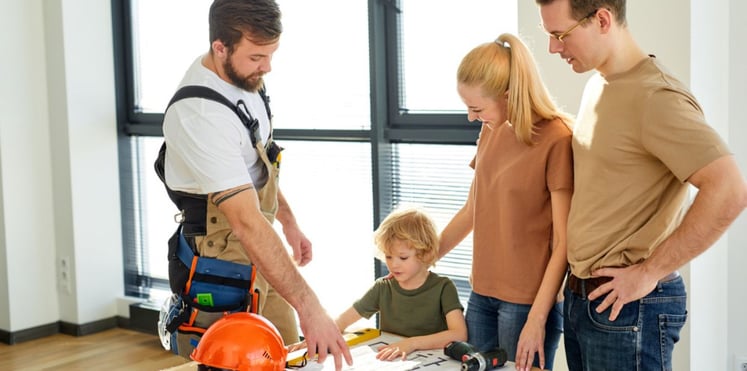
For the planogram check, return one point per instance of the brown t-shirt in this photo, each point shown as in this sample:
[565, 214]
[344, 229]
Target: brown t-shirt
[638, 138]
[510, 196]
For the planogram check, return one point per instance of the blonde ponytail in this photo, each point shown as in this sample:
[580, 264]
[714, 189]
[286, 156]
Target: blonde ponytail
[506, 65]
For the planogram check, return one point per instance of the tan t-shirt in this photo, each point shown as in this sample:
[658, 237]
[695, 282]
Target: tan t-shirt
[639, 136]
[510, 196]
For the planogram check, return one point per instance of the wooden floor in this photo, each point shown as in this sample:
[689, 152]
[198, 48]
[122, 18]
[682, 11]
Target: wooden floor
[115, 349]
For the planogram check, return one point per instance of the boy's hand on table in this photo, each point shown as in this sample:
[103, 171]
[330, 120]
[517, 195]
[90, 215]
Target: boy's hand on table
[396, 351]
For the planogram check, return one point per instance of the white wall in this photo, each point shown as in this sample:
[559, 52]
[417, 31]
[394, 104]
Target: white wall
[59, 177]
[27, 246]
[737, 238]
[58, 164]
[709, 281]
[86, 187]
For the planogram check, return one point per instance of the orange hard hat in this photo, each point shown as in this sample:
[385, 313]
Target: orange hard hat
[241, 341]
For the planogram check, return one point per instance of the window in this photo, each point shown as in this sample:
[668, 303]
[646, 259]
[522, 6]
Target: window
[423, 43]
[366, 127]
[164, 47]
[425, 141]
[437, 33]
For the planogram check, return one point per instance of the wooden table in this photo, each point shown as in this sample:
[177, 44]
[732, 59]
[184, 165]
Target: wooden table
[427, 360]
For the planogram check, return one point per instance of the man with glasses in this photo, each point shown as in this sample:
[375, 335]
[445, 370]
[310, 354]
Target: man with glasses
[640, 138]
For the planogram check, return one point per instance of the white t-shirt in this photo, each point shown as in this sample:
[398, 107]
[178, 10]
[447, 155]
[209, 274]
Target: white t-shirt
[208, 148]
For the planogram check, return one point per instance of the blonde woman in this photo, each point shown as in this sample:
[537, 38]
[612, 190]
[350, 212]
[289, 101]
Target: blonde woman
[517, 206]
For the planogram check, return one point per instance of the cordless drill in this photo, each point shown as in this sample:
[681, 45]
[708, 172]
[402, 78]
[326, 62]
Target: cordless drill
[472, 360]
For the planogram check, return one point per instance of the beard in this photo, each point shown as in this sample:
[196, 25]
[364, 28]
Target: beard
[252, 82]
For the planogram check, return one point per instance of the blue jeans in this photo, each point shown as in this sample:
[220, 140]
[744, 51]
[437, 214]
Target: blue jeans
[642, 337]
[495, 323]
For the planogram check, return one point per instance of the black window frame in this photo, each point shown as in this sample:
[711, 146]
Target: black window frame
[400, 124]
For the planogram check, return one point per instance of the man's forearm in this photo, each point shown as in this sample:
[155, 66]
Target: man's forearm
[268, 254]
[265, 249]
[285, 214]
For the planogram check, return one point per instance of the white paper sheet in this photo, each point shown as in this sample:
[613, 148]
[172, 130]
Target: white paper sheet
[364, 359]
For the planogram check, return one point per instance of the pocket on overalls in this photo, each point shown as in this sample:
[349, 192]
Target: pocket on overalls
[219, 285]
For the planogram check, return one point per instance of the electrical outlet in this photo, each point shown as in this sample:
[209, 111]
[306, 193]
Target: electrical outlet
[741, 363]
[63, 279]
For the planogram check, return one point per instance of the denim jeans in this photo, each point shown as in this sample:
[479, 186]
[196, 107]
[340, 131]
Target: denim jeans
[495, 323]
[642, 337]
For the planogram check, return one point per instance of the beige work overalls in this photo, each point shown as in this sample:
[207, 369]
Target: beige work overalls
[220, 242]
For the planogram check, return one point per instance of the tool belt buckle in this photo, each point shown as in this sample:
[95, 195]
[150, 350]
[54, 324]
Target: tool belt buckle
[179, 217]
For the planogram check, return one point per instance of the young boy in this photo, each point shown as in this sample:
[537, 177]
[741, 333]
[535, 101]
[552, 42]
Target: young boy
[412, 301]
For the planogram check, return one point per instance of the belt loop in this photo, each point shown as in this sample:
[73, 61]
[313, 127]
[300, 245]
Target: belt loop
[584, 294]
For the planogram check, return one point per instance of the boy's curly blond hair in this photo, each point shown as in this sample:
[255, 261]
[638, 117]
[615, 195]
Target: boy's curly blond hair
[414, 227]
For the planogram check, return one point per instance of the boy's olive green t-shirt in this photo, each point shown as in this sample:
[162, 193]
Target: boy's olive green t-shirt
[410, 312]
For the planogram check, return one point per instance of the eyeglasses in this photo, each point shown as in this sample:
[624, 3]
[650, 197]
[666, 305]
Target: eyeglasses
[562, 35]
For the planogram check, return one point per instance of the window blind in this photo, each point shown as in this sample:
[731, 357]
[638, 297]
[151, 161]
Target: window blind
[437, 178]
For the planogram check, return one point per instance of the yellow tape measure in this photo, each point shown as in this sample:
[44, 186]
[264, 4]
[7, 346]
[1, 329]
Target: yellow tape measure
[298, 358]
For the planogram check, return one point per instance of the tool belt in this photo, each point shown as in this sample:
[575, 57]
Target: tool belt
[212, 288]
